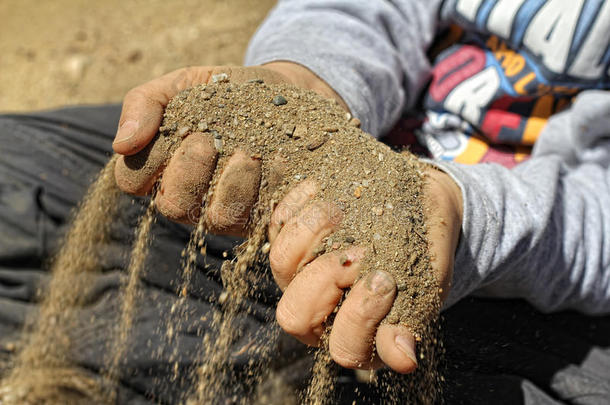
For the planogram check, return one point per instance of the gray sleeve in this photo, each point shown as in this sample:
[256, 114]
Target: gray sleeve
[541, 231]
[371, 52]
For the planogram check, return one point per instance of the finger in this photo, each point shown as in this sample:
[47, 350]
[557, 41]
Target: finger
[396, 348]
[296, 243]
[235, 194]
[187, 178]
[315, 292]
[352, 337]
[290, 206]
[136, 174]
[143, 107]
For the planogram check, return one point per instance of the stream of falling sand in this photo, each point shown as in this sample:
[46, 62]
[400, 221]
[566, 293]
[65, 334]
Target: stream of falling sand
[43, 372]
[214, 374]
[130, 294]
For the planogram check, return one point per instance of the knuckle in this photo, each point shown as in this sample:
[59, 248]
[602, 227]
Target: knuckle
[170, 209]
[283, 212]
[217, 219]
[359, 318]
[279, 260]
[348, 357]
[289, 322]
[135, 95]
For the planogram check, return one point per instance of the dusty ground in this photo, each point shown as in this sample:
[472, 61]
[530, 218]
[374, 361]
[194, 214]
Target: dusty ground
[63, 52]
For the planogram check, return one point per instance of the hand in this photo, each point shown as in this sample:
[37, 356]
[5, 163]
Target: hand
[314, 286]
[193, 164]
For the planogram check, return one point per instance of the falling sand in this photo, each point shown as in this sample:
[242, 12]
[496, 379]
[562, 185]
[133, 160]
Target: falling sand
[314, 139]
[43, 373]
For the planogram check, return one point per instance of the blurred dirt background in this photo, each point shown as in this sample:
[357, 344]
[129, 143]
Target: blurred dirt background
[60, 52]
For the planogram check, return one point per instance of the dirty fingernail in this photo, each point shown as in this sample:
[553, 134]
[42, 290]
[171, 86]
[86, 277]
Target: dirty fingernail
[379, 282]
[126, 131]
[407, 346]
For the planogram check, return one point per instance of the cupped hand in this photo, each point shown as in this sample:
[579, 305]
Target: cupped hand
[185, 177]
[313, 286]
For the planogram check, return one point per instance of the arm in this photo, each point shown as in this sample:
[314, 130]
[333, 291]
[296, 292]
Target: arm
[372, 53]
[541, 230]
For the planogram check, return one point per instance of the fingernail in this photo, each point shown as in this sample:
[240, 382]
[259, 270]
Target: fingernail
[379, 282]
[126, 131]
[407, 346]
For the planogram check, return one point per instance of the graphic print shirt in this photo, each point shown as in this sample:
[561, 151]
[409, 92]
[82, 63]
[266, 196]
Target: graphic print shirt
[510, 65]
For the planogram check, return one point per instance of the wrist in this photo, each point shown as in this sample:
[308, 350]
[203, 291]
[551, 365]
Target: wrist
[444, 211]
[300, 76]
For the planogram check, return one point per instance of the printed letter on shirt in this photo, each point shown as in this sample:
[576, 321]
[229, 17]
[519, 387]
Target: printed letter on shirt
[468, 8]
[471, 95]
[588, 62]
[550, 32]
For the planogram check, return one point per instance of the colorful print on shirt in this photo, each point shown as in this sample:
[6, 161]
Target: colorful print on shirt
[516, 63]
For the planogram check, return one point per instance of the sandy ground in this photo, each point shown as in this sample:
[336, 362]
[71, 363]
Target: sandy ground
[60, 52]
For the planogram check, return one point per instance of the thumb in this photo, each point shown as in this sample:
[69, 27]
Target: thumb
[143, 107]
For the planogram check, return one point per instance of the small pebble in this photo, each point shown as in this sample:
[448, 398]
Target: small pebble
[300, 131]
[289, 130]
[354, 122]
[216, 134]
[220, 78]
[183, 131]
[279, 100]
[401, 286]
[350, 239]
[257, 81]
[330, 129]
[268, 124]
[377, 236]
[343, 260]
[319, 250]
[317, 142]
[358, 192]
[202, 126]
[377, 211]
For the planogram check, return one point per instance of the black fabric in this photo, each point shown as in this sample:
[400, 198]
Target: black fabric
[501, 352]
